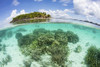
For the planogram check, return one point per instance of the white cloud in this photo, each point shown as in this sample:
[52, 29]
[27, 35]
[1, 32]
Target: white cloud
[64, 4]
[65, 1]
[53, 0]
[15, 2]
[14, 13]
[38, 0]
[57, 13]
[88, 8]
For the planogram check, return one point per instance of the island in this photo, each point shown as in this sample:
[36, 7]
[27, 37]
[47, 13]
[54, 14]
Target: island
[31, 17]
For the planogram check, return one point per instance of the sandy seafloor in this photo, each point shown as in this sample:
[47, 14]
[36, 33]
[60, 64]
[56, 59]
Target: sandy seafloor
[87, 37]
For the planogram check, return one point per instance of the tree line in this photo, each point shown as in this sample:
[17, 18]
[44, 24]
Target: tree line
[34, 15]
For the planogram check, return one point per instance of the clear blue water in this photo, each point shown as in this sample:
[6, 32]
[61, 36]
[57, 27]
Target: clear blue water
[12, 56]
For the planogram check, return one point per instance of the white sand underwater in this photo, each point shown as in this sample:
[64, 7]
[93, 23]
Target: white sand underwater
[87, 37]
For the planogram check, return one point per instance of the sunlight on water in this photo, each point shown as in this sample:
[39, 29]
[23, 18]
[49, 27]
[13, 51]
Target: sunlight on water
[50, 45]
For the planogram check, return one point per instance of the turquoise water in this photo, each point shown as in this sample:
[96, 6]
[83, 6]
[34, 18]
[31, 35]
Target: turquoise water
[11, 54]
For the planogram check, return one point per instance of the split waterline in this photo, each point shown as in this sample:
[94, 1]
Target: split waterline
[19, 45]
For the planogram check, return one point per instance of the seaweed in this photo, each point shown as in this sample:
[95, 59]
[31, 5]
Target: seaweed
[53, 43]
[92, 59]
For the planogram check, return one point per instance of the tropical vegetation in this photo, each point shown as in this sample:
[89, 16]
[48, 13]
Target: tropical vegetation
[35, 16]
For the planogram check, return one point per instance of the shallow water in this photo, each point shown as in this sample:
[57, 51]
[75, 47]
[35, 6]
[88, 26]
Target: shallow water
[12, 56]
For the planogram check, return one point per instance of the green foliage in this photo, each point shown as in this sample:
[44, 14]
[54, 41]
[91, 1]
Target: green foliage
[92, 59]
[34, 15]
[41, 41]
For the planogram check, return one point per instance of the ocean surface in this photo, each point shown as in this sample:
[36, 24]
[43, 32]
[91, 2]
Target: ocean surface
[12, 56]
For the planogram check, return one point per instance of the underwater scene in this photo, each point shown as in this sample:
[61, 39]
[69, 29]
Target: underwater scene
[50, 45]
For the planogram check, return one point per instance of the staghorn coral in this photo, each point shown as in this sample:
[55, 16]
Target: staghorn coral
[61, 36]
[92, 59]
[73, 38]
[59, 54]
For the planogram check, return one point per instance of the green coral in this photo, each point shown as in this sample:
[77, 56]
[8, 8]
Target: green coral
[61, 36]
[73, 38]
[92, 59]
[78, 49]
[53, 43]
[25, 40]
[9, 34]
[18, 35]
[59, 54]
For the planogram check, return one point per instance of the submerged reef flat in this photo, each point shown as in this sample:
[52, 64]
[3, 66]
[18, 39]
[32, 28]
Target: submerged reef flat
[92, 59]
[42, 41]
[4, 57]
[4, 34]
[49, 45]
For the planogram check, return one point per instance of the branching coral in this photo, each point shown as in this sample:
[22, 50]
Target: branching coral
[61, 37]
[53, 43]
[92, 59]
[73, 38]
[78, 49]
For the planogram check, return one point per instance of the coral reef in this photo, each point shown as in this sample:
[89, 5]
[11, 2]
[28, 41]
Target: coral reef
[4, 57]
[73, 38]
[20, 30]
[18, 35]
[2, 47]
[5, 60]
[92, 59]
[53, 43]
[9, 34]
[3, 33]
[0, 40]
[78, 49]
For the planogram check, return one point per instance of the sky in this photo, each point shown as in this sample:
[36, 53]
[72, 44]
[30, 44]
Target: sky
[76, 9]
